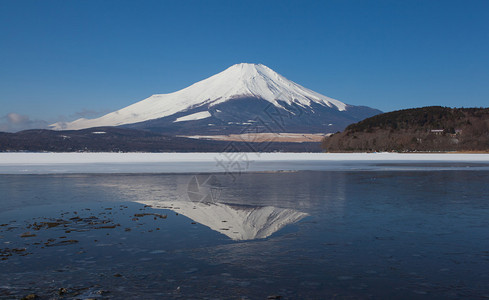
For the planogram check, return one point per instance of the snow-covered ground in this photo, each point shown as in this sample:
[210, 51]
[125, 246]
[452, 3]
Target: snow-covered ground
[53, 163]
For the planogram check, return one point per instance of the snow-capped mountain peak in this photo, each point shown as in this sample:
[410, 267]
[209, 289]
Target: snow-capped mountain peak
[238, 81]
[259, 81]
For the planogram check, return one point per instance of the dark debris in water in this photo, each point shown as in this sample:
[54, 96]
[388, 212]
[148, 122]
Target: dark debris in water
[151, 214]
[61, 243]
[91, 292]
[5, 253]
[34, 232]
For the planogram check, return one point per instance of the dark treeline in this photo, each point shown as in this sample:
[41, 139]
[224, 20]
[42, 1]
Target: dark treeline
[431, 128]
[113, 139]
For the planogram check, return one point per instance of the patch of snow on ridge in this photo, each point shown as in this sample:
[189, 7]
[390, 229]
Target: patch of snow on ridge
[192, 117]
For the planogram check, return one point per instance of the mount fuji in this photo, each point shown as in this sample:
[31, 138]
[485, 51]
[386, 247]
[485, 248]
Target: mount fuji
[242, 99]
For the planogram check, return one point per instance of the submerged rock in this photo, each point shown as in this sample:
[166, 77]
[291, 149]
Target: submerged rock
[27, 234]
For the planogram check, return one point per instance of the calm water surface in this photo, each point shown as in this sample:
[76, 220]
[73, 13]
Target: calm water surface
[294, 235]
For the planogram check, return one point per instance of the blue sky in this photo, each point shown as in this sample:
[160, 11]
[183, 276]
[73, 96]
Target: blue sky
[61, 60]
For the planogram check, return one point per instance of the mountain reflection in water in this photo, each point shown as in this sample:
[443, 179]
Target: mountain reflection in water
[200, 198]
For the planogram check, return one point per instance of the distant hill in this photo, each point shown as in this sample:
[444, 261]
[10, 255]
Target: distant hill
[432, 128]
[113, 139]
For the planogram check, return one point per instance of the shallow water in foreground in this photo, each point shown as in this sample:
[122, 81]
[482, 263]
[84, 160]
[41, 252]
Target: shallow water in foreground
[297, 235]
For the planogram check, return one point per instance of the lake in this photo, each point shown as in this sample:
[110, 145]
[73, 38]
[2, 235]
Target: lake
[378, 233]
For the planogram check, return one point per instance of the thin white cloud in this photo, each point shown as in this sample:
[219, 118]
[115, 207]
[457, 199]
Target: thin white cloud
[13, 122]
[15, 118]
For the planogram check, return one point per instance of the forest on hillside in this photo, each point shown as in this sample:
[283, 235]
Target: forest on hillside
[432, 128]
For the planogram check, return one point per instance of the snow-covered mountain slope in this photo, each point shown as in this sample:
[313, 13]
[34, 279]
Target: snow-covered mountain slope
[204, 99]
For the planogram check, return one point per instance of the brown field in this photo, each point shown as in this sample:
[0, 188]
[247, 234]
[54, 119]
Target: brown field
[264, 137]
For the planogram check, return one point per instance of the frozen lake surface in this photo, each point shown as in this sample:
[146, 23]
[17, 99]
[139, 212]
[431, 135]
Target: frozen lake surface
[227, 162]
[377, 229]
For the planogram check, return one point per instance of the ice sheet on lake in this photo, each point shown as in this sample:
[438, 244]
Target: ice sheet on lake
[226, 162]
